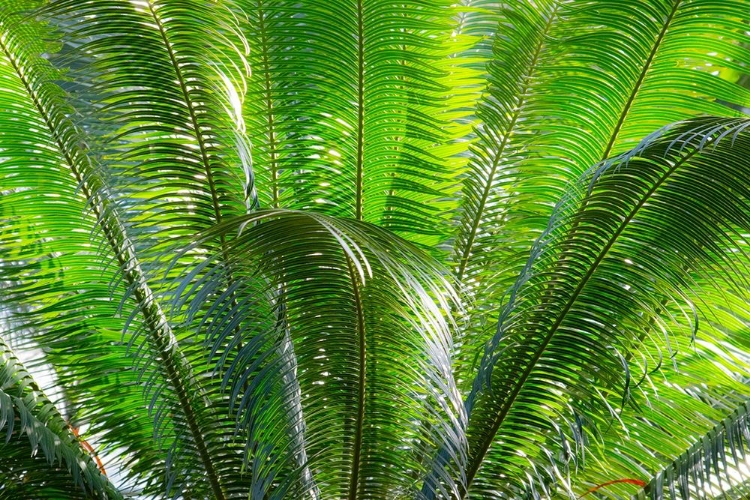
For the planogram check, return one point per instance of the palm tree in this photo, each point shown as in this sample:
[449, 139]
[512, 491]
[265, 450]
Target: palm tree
[374, 249]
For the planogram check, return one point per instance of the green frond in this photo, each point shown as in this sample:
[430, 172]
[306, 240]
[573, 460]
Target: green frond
[674, 395]
[522, 49]
[47, 253]
[189, 152]
[185, 160]
[365, 313]
[41, 456]
[345, 109]
[273, 112]
[470, 45]
[30, 90]
[647, 216]
[573, 84]
[712, 467]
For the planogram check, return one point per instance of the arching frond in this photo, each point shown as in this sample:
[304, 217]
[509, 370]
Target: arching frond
[572, 84]
[49, 146]
[644, 221]
[347, 121]
[365, 313]
[186, 160]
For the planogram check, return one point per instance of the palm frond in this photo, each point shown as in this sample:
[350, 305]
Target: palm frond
[214, 350]
[470, 42]
[522, 49]
[192, 156]
[365, 313]
[625, 69]
[674, 394]
[349, 109]
[32, 424]
[712, 467]
[557, 352]
[43, 107]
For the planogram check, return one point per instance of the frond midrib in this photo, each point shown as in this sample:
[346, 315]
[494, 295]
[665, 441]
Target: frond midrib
[205, 160]
[270, 118]
[360, 159]
[639, 83]
[362, 384]
[127, 260]
[505, 408]
[532, 65]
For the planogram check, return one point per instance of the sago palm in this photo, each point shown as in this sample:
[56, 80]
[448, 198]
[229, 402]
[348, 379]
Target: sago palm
[374, 249]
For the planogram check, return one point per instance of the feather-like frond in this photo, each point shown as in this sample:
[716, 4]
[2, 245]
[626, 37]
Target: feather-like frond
[41, 456]
[345, 109]
[571, 84]
[712, 467]
[365, 313]
[50, 146]
[648, 216]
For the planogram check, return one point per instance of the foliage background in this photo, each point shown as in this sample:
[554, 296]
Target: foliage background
[373, 249]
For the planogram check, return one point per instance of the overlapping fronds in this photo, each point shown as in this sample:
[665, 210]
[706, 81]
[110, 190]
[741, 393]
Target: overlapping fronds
[597, 280]
[48, 146]
[470, 43]
[676, 394]
[41, 456]
[56, 289]
[715, 466]
[365, 313]
[210, 349]
[181, 167]
[348, 123]
[571, 84]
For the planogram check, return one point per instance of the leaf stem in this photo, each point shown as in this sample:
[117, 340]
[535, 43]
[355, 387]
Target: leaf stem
[639, 82]
[506, 406]
[160, 332]
[362, 388]
[272, 143]
[524, 88]
[360, 110]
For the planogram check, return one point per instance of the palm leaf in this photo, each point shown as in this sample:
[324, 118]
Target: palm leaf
[201, 168]
[44, 108]
[372, 349]
[347, 119]
[668, 406]
[624, 69]
[31, 423]
[522, 49]
[552, 334]
[709, 466]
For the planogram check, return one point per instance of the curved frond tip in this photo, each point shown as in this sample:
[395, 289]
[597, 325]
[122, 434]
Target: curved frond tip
[366, 316]
[674, 206]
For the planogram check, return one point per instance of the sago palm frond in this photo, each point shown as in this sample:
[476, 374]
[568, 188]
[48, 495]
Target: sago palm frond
[42, 458]
[346, 109]
[715, 466]
[675, 394]
[646, 217]
[32, 77]
[370, 341]
[571, 84]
